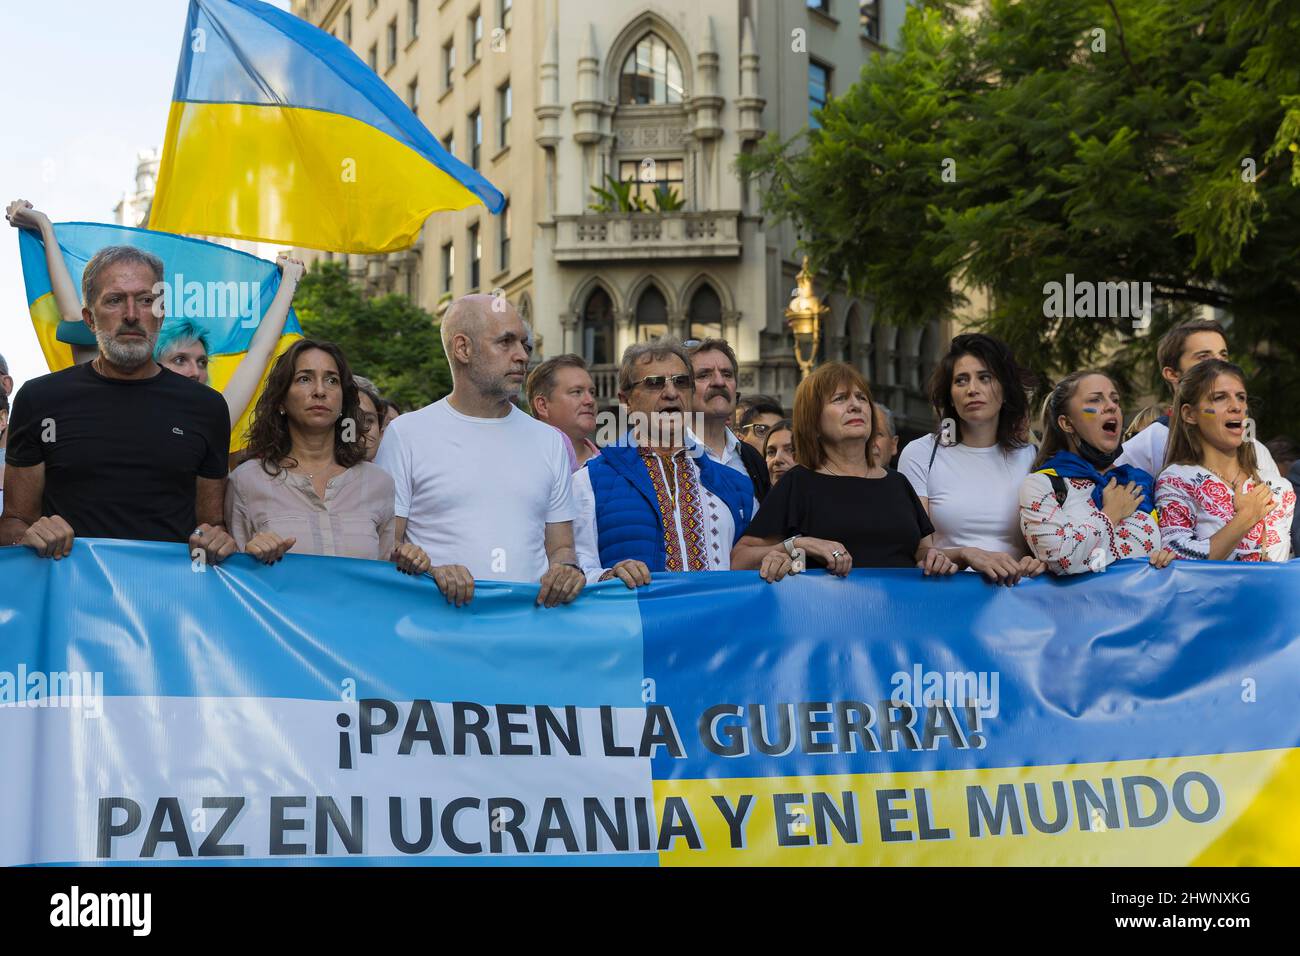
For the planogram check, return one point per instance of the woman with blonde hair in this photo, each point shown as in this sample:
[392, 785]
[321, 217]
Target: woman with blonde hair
[1079, 511]
[1143, 419]
[1213, 503]
[835, 506]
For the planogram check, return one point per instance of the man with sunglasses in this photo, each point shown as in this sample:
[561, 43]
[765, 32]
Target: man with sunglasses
[716, 371]
[654, 501]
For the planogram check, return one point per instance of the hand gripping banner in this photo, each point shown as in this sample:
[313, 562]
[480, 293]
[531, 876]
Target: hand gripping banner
[331, 711]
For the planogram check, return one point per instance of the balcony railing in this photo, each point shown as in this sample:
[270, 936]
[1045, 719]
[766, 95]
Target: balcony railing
[605, 378]
[597, 237]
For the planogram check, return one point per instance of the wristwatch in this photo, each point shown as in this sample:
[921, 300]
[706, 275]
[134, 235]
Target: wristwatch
[789, 545]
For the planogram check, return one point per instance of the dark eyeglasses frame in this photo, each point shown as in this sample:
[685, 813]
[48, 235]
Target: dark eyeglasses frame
[656, 383]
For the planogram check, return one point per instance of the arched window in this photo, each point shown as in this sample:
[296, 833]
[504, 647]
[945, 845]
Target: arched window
[598, 329]
[705, 314]
[651, 73]
[651, 315]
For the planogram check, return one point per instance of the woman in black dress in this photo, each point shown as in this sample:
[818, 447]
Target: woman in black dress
[835, 506]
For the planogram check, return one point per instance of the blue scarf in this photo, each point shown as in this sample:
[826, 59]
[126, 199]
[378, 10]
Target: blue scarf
[1069, 465]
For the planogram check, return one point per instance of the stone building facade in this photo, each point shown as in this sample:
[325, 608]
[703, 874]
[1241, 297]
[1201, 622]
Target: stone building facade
[552, 98]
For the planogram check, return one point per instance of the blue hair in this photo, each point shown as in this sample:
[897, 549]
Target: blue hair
[175, 334]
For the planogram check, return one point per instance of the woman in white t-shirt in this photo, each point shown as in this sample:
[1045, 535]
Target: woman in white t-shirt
[968, 475]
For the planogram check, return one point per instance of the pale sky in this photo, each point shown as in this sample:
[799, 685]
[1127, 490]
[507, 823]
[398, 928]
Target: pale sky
[87, 85]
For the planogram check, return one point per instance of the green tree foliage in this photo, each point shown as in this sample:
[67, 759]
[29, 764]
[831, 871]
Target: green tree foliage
[1111, 139]
[388, 339]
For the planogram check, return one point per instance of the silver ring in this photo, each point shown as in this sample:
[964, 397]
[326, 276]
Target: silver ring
[836, 554]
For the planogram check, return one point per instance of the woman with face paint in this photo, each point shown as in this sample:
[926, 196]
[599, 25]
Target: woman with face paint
[1213, 503]
[1079, 511]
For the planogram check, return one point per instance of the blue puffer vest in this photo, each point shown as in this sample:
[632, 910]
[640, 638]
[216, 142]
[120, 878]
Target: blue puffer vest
[628, 521]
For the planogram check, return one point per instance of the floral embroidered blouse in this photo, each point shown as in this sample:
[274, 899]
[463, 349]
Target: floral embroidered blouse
[1195, 503]
[1077, 536]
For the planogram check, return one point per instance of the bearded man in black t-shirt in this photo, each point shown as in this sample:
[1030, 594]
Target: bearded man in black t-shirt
[119, 447]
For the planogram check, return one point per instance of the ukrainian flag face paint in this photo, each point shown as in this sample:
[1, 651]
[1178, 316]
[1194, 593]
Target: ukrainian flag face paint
[1098, 418]
[1222, 413]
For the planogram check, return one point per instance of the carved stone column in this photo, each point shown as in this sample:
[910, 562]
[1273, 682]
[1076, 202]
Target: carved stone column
[571, 338]
[624, 332]
[677, 324]
[731, 326]
[835, 348]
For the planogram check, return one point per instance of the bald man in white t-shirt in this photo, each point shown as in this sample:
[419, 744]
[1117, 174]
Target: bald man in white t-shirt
[482, 487]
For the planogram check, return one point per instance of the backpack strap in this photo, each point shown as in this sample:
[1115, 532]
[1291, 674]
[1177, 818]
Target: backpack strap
[933, 451]
[1059, 489]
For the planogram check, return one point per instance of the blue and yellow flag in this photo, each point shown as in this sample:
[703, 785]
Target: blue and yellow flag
[280, 133]
[223, 291]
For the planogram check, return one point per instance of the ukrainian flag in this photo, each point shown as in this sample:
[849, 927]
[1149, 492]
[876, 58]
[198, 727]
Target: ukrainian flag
[280, 133]
[223, 291]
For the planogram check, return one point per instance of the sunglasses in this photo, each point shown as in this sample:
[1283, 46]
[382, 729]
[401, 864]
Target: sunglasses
[656, 383]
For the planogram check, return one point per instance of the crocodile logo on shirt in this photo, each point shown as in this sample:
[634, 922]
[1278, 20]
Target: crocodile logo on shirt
[177, 431]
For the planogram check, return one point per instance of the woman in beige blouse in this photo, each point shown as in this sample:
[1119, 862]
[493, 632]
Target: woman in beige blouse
[307, 487]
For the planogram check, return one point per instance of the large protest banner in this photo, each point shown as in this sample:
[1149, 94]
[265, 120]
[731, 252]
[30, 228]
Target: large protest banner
[331, 711]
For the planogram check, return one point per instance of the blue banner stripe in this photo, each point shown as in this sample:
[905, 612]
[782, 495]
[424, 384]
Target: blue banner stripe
[139, 613]
[1198, 658]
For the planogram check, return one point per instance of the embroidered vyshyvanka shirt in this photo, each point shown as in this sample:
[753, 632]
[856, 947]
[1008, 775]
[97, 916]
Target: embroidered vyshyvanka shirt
[1195, 503]
[1077, 537]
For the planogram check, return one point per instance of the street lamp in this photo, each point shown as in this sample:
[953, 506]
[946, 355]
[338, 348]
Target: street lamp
[804, 316]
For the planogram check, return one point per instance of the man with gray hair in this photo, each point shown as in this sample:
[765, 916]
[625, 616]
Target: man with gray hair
[6, 380]
[655, 501]
[482, 487]
[118, 447]
[885, 445]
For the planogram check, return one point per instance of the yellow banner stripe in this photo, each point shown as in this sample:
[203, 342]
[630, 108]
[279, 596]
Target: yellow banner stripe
[1256, 823]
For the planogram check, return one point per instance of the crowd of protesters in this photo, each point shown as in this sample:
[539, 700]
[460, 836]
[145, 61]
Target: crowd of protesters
[133, 443]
